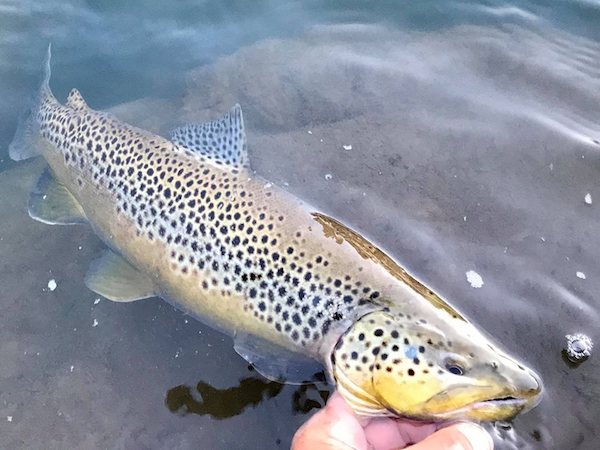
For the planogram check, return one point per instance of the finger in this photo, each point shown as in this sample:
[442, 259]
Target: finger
[387, 433]
[462, 436]
[336, 403]
[335, 427]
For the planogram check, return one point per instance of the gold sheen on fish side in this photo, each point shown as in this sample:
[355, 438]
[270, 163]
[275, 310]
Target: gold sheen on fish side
[299, 292]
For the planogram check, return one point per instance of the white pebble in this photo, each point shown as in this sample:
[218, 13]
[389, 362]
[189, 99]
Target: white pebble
[9, 418]
[95, 323]
[474, 279]
[347, 147]
[580, 275]
[268, 185]
[52, 284]
[588, 199]
[328, 176]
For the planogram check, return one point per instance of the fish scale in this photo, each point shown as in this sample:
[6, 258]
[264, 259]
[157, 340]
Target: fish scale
[184, 219]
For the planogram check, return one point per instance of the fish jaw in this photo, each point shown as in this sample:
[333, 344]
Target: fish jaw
[388, 367]
[495, 400]
[487, 410]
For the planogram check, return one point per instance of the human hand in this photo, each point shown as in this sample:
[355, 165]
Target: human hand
[336, 427]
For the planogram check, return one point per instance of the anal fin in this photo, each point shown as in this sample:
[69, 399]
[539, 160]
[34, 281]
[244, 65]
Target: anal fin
[51, 202]
[277, 363]
[114, 278]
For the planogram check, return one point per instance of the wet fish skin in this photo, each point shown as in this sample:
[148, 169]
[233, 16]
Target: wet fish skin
[193, 225]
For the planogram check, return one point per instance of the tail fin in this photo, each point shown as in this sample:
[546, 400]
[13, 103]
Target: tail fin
[23, 145]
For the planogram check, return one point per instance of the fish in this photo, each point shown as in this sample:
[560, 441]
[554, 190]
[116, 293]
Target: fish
[300, 293]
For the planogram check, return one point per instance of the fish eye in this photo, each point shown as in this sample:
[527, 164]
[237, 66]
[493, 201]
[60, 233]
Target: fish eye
[454, 368]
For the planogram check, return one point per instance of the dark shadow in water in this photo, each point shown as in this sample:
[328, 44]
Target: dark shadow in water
[308, 397]
[232, 401]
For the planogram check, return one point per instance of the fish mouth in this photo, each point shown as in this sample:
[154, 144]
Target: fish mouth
[492, 409]
[488, 402]
[500, 402]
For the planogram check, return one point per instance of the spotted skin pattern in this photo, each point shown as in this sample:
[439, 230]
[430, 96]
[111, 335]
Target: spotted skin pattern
[216, 229]
[386, 347]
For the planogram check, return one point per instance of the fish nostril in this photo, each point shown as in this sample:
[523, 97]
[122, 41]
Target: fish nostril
[535, 391]
[534, 384]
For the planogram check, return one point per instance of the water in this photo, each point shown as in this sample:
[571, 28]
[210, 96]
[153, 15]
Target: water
[474, 140]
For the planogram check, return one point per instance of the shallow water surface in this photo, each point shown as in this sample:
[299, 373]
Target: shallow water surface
[460, 136]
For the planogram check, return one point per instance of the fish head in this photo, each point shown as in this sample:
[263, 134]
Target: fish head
[397, 365]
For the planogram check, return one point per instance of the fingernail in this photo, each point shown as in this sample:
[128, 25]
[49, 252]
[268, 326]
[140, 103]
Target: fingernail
[477, 436]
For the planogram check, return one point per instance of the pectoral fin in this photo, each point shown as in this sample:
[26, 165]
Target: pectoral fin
[51, 202]
[114, 278]
[277, 363]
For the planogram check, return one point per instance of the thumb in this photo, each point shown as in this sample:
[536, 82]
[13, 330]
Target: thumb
[461, 436]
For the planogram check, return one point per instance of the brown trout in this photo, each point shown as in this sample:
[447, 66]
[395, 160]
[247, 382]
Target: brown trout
[186, 220]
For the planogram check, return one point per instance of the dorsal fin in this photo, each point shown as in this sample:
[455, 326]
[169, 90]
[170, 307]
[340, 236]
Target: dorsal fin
[340, 232]
[76, 101]
[221, 141]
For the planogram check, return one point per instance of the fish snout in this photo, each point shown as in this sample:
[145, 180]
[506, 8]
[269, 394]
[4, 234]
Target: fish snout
[533, 385]
[528, 386]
